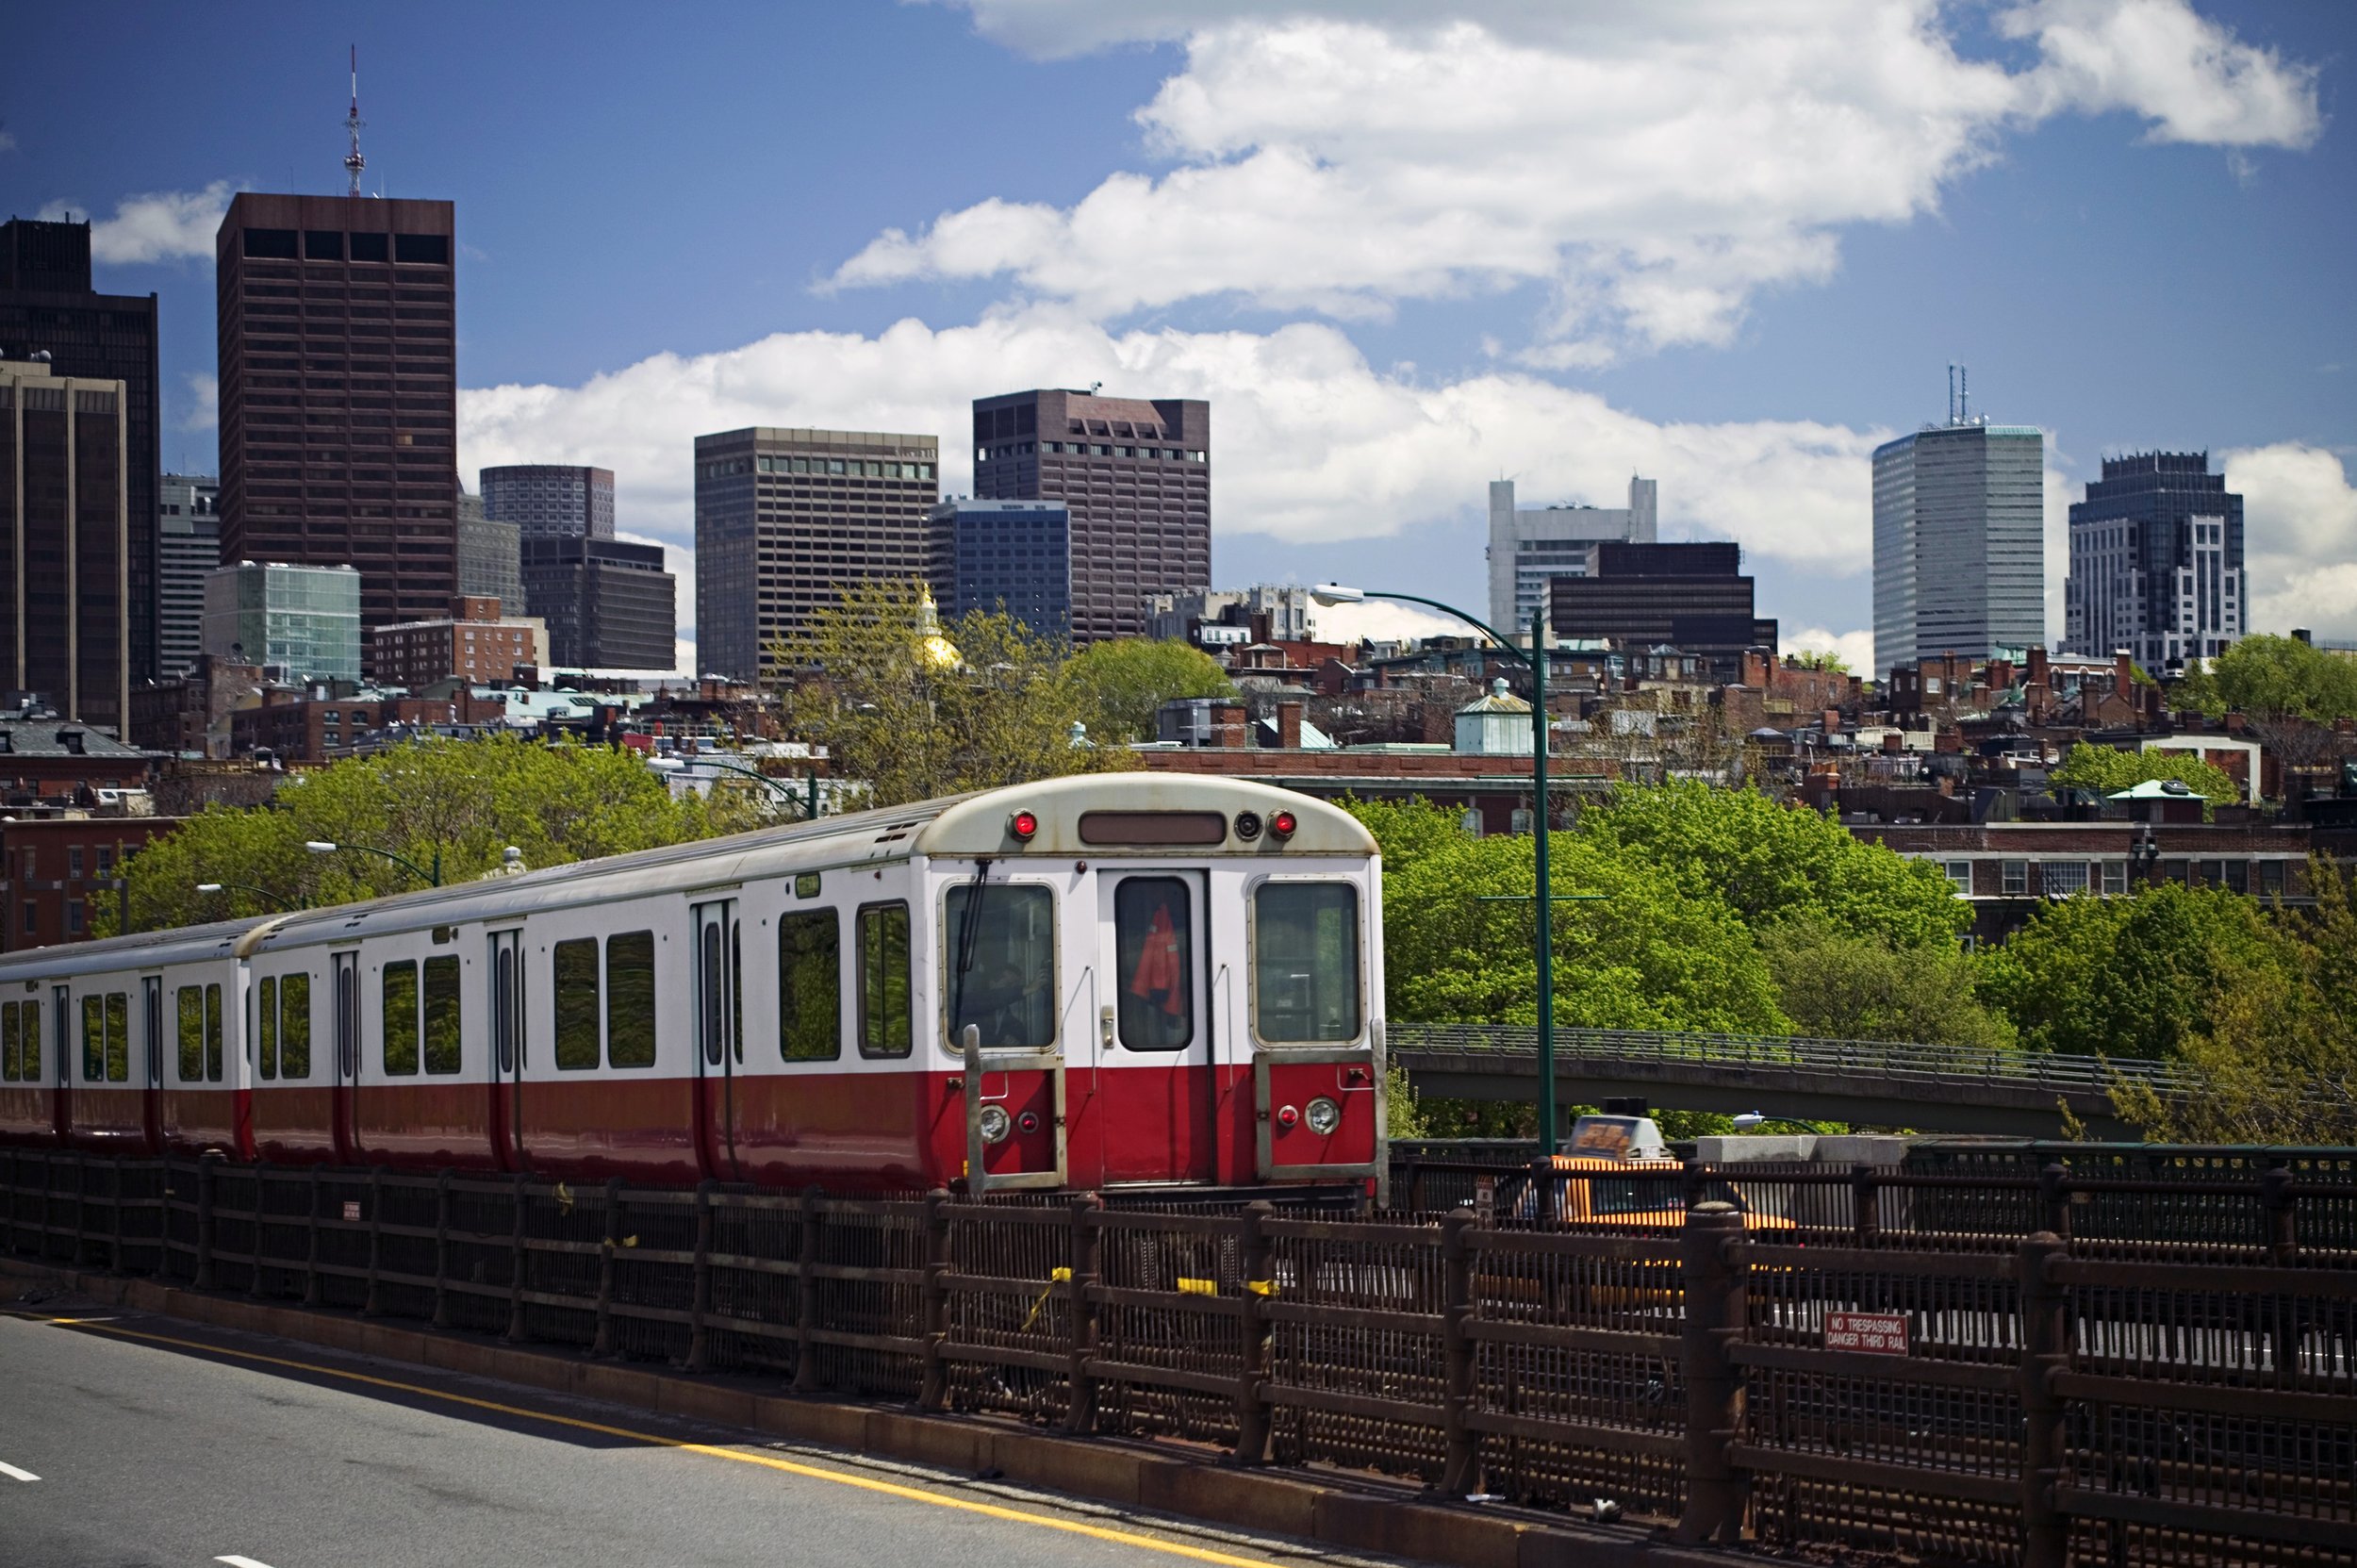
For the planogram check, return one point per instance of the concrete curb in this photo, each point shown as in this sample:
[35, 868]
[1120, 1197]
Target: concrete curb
[1351, 1518]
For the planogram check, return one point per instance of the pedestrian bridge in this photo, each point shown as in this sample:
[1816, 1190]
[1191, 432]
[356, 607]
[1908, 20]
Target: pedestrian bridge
[1874, 1082]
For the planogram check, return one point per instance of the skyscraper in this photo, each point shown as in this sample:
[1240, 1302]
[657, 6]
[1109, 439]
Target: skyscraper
[65, 532]
[301, 622]
[47, 306]
[2156, 562]
[187, 548]
[1959, 542]
[551, 498]
[1136, 476]
[1011, 556]
[1692, 597]
[608, 605]
[491, 557]
[1530, 545]
[787, 520]
[339, 393]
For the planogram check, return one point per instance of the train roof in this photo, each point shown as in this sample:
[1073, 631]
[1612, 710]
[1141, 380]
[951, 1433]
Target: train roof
[957, 827]
[141, 949]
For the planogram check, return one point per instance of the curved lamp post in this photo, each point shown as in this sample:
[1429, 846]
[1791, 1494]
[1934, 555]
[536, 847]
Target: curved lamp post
[319, 846]
[278, 898]
[1544, 895]
[808, 801]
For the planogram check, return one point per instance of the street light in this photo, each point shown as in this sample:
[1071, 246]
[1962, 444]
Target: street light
[278, 898]
[1542, 897]
[321, 847]
[808, 803]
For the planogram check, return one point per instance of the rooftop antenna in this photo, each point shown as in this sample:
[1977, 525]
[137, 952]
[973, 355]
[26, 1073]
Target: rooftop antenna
[1964, 393]
[1952, 391]
[353, 162]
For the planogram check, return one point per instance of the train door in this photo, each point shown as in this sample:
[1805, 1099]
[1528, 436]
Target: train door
[61, 1031]
[152, 1054]
[719, 1035]
[506, 981]
[343, 1107]
[1155, 1082]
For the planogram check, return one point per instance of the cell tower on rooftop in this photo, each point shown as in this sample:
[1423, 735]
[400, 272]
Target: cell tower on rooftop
[353, 162]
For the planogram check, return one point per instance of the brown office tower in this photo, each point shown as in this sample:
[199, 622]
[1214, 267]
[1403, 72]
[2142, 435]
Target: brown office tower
[47, 306]
[787, 520]
[65, 531]
[339, 394]
[1135, 474]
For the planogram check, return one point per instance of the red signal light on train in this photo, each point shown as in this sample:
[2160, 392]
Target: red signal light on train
[1023, 824]
[1282, 824]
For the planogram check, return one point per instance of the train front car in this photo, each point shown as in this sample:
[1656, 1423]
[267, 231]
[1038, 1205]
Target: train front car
[1136, 980]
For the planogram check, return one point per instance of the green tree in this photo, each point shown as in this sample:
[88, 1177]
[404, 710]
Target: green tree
[2275, 1056]
[2270, 677]
[1844, 986]
[1771, 863]
[465, 800]
[2107, 770]
[2127, 977]
[914, 709]
[1119, 684]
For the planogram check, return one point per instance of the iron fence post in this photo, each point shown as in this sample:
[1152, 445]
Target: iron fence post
[933, 1301]
[603, 1345]
[441, 1250]
[1087, 1268]
[114, 1194]
[2045, 1349]
[2279, 1196]
[1252, 1253]
[2053, 1192]
[311, 1243]
[1460, 1471]
[261, 1185]
[81, 1202]
[806, 1298]
[9, 1188]
[204, 1279]
[699, 1288]
[517, 1270]
[1715, 1271]
[372, 1303]
[1865, 1206]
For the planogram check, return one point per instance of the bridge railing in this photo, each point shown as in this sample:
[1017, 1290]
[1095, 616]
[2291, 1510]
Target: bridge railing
[2027, 1402]
[1886, 1060]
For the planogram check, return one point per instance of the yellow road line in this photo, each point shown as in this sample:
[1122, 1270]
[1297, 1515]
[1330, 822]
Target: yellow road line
[865, 1483]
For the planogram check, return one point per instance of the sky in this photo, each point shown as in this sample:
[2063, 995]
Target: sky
[1402, 249]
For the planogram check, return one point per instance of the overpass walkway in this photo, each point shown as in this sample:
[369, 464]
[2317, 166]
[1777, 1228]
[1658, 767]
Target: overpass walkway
[1879, 1083]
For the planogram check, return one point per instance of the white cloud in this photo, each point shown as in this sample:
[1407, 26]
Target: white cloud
[158, 226]
[1652, 167]
[7, 142]
[2300, 537]
[1382, 619]
[1857, 649]
[203, 401]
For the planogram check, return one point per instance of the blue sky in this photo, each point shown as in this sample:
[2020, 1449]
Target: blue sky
[1401, 256]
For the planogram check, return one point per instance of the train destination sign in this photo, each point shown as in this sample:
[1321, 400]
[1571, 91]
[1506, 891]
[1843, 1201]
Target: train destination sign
[1876, 1333]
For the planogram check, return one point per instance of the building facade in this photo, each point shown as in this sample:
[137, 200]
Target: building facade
[608, 605]
[47, 306]
[1691, 597]
[490, 557]
[1221, 618]
[65, 540]
[1531, 546]
[472, 643]
[550, 499]
[300, 622]
[2156, 562]
[188, 550]
[339, 393]
[1006, 555]
[1959, 543]
[787, 520]
[1136, 477]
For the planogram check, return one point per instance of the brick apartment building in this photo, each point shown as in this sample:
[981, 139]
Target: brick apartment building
[299, 728]
[472, 643]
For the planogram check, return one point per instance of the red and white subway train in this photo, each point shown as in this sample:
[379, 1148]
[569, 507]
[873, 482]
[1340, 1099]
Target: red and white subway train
[1090, 981]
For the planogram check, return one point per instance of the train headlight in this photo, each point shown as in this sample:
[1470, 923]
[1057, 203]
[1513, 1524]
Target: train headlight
[994, 1120]
[1247, 825]
[1322, 1115]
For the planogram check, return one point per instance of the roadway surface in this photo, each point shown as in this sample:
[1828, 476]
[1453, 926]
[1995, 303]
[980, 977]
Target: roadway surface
[130, 1440]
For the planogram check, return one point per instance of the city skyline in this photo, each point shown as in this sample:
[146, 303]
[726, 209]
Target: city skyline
[1748, 333]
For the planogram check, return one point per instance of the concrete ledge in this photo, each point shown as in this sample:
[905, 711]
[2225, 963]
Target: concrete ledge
[1370, 1517]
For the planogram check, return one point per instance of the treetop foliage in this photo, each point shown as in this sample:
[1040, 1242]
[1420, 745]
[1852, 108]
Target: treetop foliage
[1121, 684]
[2107, 770]
[2268, 677]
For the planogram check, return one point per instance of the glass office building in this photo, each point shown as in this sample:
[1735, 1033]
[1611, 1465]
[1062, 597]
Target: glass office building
[1959, 543]
[301, 620]
[1013, 557]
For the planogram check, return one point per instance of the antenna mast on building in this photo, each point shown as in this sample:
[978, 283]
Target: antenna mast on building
[353, 162]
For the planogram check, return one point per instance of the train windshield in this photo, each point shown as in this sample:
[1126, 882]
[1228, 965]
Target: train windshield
[1001, 966]
[1304, 962]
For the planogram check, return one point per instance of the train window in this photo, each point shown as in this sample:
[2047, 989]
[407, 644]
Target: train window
[294, 1027]
[212, 1034]
[1153, 827]
[1000, 968]
[806, 885]
[442, 1053]
[809, 986]
[1154, 958]
[1304, 962]
[118, 1037]
[630, 999]
[573, 980]
[884, 1026]
[191, 1005]
[93, 1040]
[266, 1028]
[7, 1043]
[401, 1019]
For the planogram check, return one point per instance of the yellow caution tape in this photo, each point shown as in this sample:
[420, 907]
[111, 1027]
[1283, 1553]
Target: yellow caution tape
[1056, 1276]
[1260, 1287]
[1197, 1287]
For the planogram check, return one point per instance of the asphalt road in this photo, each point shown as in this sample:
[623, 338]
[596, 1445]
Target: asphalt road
[129, 1441]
